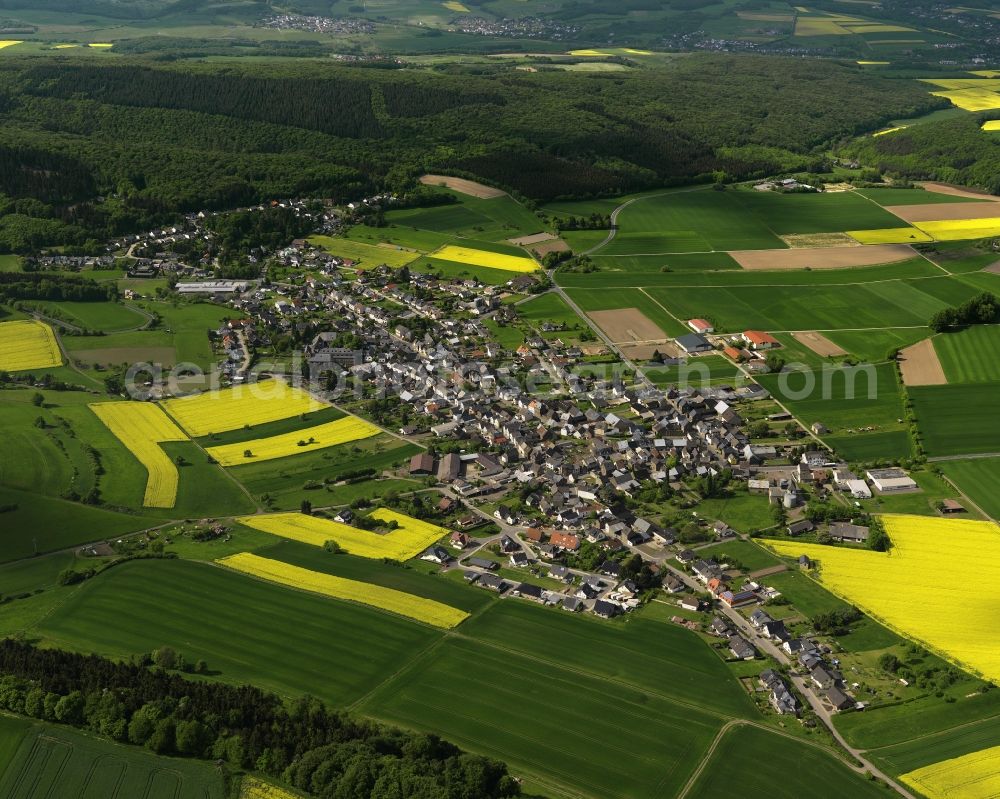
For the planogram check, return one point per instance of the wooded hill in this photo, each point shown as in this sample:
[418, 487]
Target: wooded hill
[157, 139]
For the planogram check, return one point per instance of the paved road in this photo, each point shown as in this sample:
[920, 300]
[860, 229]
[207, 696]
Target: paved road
[768, 647]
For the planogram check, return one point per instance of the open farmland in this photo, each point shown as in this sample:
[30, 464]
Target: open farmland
[232, 408]
[957, 419]
[919, 365]
[331, 434]
[972, 775]
[57, 761]
[892, 235]
[978, 478]
[26, 344]
[858, 406]
[902, 588]
[407, 541]
[366, 256]
[761, 759]
[313, 475]
[961, 229]
[823, 257]
[240, 647]
[971, 355]
[462, 185]
[491, 260]
[491, 701]
[402, 604]
[142, 427]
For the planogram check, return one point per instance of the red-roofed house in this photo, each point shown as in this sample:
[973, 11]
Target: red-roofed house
[700, 326]
[760, 340]
[565, 541]
[735, 353]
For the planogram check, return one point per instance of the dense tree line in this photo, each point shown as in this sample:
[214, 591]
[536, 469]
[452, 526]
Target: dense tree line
[983, 309]
[55, 288]
[242, 232]
[156, 139]
[324, 752]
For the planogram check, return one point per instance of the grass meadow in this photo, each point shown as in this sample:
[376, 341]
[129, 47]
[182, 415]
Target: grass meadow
[604, 300]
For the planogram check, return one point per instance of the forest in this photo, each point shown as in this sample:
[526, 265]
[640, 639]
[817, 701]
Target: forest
[155, 140]
[324, 752]
[952, 150]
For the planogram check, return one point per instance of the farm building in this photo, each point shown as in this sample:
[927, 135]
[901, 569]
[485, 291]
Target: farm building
[735, 353]
[759, 340]
[854, 533]
[889, 480]
[700, 326]
[422, 463]
[859, 489]
[693, 343]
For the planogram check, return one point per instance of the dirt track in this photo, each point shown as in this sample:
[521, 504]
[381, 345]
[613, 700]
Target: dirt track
[920, 366]
[462, 185]
[957, 191]
[820, 344]
[823, 257]
[628, 326]
[934, 212]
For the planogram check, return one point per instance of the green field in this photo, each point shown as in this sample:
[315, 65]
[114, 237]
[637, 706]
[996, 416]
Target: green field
[493, 219]
[551, 308]
[541, 717]
[700, 221]
[971, 355]
[403, 578]
[937, 746]
[749, 555]
[896, 303]
[288, 480]
[703, 370]
[367, 256]
[201, 611]
[56, 761]
[614, 275]
[693, 221]
[958, 419]
[689, 262]
[760, 761]
[276, 428]
[910, 197]
[848, 401]
[978, 478]
[874, 346]
[742, 510]
[106, 316]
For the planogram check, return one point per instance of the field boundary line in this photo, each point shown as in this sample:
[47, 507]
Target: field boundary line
[422, 655]
[225, 471]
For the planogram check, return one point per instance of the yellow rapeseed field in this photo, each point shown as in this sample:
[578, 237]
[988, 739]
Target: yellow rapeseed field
[9, 43]
[993, 124]
[972, 776]
[493, 260]
[253, 788]
[101, 45]
[958, 229]
[232, 408]
[412, 537]
[890, 130]
[341, 431]
[874, 63]
[894, 235]
[909, 588]
[27, 344]
[403, 604]
[454, 5]
[140, 426]
[978, 99]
